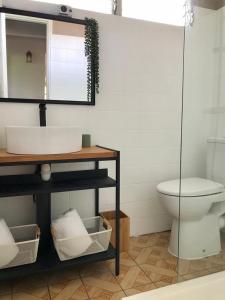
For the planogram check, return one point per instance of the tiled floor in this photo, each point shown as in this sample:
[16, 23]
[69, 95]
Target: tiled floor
[146, 266]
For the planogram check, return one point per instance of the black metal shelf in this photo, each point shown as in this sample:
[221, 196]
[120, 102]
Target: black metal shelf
[19, 185]
[52, 187]
[50, 262]
[31, 184]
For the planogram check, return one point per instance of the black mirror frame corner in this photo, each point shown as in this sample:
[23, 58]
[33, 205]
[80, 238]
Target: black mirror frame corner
[94, 85]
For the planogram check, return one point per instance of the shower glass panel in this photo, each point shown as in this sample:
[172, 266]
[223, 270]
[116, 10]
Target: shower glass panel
[201, 246]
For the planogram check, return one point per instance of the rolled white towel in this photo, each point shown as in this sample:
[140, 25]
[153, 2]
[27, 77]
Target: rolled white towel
[8, 247]
[71, 228]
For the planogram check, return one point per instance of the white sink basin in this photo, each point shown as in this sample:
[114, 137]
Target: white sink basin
[43, 140]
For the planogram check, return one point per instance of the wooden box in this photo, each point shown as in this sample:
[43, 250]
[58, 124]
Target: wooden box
[124, 228]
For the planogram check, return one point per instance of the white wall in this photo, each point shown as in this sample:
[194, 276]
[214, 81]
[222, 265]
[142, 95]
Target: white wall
[3, 58]
[216, 108]
[200, 79]
[67, 67]
[26, 80]
[138, 111]
[204, 101]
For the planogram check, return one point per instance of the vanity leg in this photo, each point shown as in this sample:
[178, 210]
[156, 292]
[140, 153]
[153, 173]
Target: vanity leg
[97, 193]
[43, 214]
[117, 260]
[42, 114]
[43, 203]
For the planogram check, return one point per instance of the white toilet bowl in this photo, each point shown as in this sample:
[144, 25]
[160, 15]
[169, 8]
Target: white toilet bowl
[196, 206]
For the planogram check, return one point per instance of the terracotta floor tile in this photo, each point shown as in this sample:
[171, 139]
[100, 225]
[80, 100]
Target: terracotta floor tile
[217, 260]
[102, 285]
[63, 276]
[70, 290]
[151, 254]
[192, 266]
[147, 265]
[5, 297]
[216, 269]
[125, 260]
[94, 269]
[134, 251]
[200, 273]
[146, 241]
[140, 289]
[169, 263]
[131, 277]
[143, 241]
[5, 287]
[27, 283]
[161, 284]
[162, 239]
[165, 235]
[115, 296]
[160, 271]
[40, 293]
[193, 275]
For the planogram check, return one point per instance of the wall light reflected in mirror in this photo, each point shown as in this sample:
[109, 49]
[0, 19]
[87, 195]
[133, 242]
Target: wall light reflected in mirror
[29, 57]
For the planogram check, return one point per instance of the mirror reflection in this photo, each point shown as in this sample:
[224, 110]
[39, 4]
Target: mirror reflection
[43, 59]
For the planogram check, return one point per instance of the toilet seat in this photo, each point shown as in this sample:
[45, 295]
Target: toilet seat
[190, 187]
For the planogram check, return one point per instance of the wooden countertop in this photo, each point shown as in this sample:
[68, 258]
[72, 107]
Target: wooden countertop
[94, 152]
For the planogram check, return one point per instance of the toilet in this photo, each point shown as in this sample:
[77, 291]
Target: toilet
[197, 207]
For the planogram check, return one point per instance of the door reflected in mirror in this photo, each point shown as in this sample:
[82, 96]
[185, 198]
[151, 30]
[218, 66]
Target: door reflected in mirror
[42, 59]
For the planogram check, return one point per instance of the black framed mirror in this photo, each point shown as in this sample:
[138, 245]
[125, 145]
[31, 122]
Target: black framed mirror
[47, 58]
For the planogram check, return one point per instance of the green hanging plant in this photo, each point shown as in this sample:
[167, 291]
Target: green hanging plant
[92, 54]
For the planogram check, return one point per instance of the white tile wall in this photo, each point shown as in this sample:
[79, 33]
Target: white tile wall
[137, 111]
[200, 91]
[67, 82]
[217, 105]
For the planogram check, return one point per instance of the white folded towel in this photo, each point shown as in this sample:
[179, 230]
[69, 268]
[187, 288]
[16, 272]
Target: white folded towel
[71, 228]
[8, 247]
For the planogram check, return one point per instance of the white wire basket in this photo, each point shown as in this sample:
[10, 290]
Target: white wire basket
[99, 231]
[27, 240]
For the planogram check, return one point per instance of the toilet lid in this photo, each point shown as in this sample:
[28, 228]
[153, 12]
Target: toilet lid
[190, 187]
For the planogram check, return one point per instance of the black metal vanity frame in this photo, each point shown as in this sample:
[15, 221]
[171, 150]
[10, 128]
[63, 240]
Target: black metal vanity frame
[55, 18]
[20, 185]
[31, 184]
